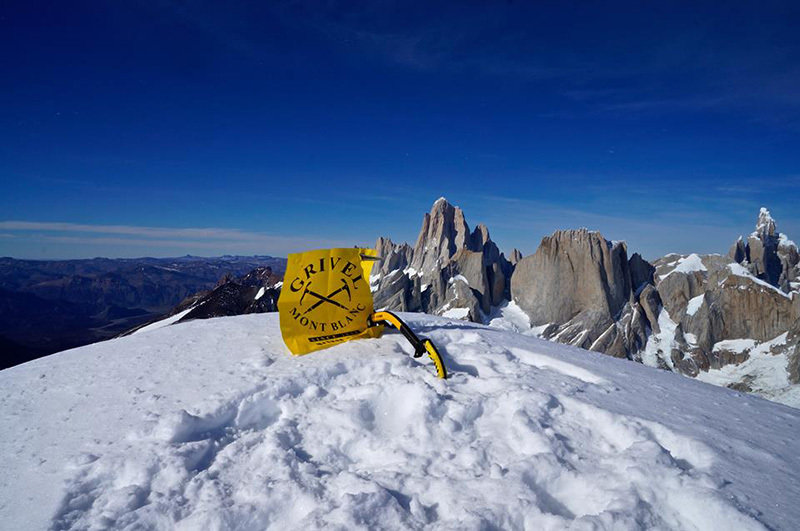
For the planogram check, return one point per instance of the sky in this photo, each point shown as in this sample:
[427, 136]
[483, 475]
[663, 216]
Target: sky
[166, 128]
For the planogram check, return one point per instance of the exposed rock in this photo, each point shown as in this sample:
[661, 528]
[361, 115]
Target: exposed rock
[650, 302]
[572, 271]
[516, 256]
[769, 255]
[418, 279]
[255, 292]
[581, 282]
[713, 299]
[738, 252]
[444, 232]
[642, 272]
[793, 353]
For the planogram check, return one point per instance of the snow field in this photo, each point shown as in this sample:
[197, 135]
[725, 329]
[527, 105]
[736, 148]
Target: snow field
[213, 425]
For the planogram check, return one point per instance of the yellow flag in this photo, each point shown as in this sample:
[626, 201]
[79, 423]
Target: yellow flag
[326, 298]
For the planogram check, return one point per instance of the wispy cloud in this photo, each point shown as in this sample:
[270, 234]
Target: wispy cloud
[211, 238]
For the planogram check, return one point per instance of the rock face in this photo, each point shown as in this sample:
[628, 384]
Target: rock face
[686, 313]
[255, 292]
[769, 255]
[742, 310]
[708, 301]
[449, 269]
[581, 285]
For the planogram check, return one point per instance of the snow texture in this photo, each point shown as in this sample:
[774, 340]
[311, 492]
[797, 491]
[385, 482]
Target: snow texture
[688, 264]
[784, 241]
[456, 313]
[765, 372]
[212, 425]
[695, 304]
[741, 271]
[164, 322]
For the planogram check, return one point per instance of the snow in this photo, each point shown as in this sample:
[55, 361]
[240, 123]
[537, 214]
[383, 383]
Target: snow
[411, 272]
[509, 316]
[784, 241]
[261, 292]
[737, 346]
[740, 271]
[454, 278]
[695, 304]
[688, 264]
[765, 220]
[211, 424]
[456, 313]
[765, 372]
[660, 346]
[165, 322]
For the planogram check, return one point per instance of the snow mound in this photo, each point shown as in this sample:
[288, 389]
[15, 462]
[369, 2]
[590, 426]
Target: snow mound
[688, 264]
[694, 304]
[213, 425]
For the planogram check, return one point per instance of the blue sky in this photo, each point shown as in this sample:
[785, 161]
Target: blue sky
[167, 128]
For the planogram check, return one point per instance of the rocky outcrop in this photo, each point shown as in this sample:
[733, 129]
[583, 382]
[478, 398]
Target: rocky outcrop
[769, 255]
[710, 301]
[255, 292]
[581, 285]
[449, 268]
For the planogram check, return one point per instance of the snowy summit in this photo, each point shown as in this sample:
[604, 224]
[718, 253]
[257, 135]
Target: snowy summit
[213, 425]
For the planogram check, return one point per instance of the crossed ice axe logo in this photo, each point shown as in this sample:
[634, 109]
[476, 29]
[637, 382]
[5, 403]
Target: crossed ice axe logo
[326, 298]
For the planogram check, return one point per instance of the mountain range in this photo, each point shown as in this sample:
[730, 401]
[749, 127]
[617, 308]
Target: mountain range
[731, 320]
[49, 306]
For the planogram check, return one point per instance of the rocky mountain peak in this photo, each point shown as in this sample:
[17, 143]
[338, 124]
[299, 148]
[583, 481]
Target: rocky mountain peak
[769, 255]
[449, 269]
[579, 286]
[444, 232]
[581, 263]
[766, 226]
[479, 237]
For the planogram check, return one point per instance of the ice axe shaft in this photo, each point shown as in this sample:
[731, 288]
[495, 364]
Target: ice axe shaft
[421, 345]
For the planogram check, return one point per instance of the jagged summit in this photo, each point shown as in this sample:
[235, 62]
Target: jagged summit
[450, 268]
[765, 226]
[768, 254]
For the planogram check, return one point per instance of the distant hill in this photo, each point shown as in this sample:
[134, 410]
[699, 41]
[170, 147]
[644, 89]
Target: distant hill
[52, 305]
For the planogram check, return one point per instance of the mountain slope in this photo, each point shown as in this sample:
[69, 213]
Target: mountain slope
[212, 424]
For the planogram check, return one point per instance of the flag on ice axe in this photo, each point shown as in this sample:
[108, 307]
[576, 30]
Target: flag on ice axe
[326, 300]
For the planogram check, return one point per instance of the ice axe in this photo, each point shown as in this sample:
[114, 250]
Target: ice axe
[421, 345]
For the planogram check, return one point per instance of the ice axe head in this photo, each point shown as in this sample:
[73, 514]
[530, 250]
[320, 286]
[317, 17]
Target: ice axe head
[346, 288]
[305, 292]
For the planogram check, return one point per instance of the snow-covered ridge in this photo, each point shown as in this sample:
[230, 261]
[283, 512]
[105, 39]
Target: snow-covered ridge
[740, 271]
[212, 424]
[686, 264]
